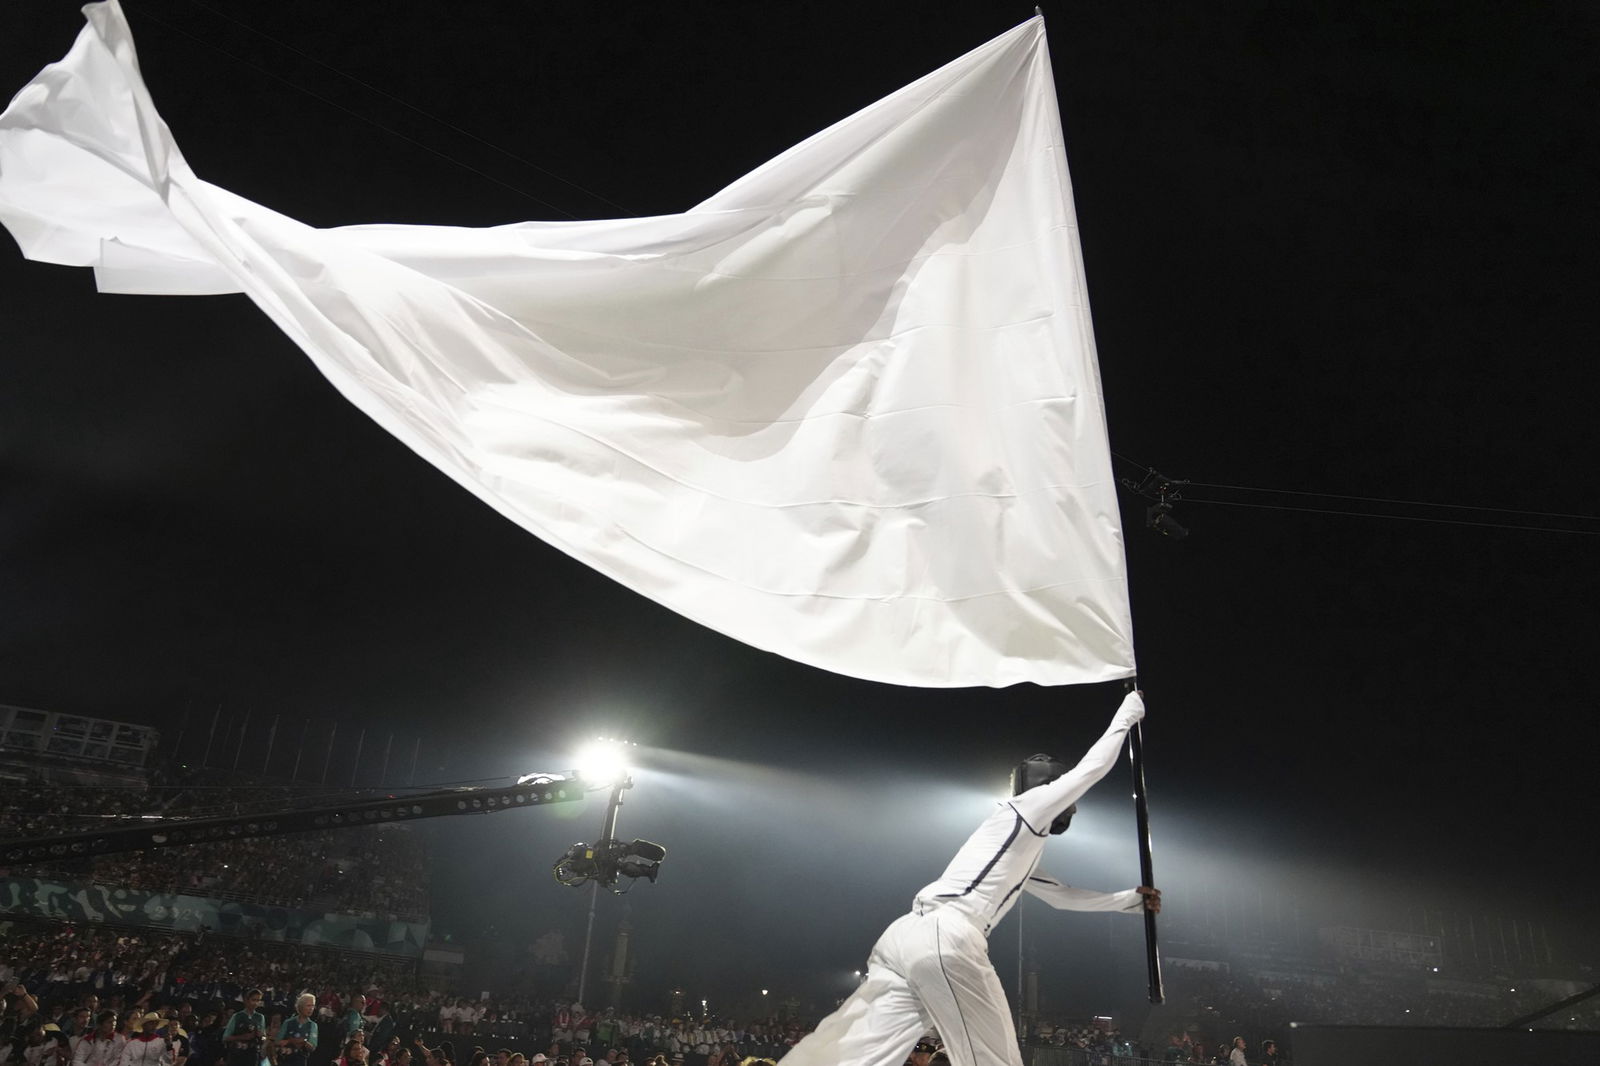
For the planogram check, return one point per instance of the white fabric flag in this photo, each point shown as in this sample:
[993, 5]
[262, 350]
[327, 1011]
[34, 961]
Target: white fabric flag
[847, 410]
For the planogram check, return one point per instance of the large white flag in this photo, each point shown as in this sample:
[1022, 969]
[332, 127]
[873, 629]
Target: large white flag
[846, 410]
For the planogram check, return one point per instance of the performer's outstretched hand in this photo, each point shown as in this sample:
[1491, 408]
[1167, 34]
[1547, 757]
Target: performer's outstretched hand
[1152, 898]
[1130, 712]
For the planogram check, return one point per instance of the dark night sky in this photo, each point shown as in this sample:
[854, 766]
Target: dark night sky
[1341, 249]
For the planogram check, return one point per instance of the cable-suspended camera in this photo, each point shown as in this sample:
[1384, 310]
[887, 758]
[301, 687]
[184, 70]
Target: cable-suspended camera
[1165, 491]
[608, 861]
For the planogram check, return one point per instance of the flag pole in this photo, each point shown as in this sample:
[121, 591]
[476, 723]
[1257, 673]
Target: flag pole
[1141, 813]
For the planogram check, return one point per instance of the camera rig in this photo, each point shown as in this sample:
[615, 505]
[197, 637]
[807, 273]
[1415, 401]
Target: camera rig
[604, 863]
[609, 859]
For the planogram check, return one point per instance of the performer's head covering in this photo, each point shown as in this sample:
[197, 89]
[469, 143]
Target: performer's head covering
[1038, 770]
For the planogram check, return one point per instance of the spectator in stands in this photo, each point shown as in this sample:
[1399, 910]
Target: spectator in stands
[59, 1046]
[21, 1007]
[102, 1046]
[297, 1036]
[40, 1046]
[380, 1029]
[21, 1036]
[355, 1020]
[242, 1037]
[205, 1038]
[148, 1047]
[1269, 1053]
[1236, 1055]
[179, 1039]
[354, 1053]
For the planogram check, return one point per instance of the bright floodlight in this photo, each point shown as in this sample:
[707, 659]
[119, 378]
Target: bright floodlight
[604, 762]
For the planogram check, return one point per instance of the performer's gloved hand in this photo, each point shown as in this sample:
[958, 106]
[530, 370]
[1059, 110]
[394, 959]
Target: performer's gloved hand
[1131, 711]
[1152, 898]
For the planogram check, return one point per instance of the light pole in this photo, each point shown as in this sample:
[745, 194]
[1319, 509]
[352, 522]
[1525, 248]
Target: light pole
[604, 765]
[608, 833]
[603, 762]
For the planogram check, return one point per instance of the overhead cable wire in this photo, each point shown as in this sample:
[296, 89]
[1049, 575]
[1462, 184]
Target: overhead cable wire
[1405, 503]
[409, 106]
[1435, 519]
[1402, 517]
[356, 114]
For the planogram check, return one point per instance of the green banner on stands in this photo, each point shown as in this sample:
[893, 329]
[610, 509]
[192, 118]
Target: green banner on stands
[34, 897]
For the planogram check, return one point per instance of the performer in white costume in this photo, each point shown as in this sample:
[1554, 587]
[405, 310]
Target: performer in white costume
[931, 969]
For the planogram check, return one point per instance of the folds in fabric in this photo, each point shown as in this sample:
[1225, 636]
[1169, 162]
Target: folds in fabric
[847, 409]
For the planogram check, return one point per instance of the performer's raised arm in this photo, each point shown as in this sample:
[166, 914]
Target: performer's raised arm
[1067, 898]
[1040, 806]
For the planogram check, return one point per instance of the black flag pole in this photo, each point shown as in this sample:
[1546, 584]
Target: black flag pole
[1141, 807]
[1147, 875]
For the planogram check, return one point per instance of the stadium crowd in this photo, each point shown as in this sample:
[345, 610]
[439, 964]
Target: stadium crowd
[60, 979]
[364, 871]
[68, 973]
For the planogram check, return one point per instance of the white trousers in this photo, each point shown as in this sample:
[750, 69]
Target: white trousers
[925, 972]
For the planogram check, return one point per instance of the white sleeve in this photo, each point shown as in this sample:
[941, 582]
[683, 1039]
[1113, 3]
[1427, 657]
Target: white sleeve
[1039, 806]
[1066, 898]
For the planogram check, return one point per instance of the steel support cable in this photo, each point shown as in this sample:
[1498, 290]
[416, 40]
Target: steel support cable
[1188, 487]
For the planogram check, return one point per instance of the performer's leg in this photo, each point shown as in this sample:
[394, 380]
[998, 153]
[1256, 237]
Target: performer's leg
[877, 1026]
[957, 986]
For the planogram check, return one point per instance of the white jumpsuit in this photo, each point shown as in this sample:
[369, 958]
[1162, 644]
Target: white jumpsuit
[931, 969]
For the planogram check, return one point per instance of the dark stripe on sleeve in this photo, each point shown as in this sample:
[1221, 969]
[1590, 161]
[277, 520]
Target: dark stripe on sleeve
[1024, 821]
[1002, 904]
